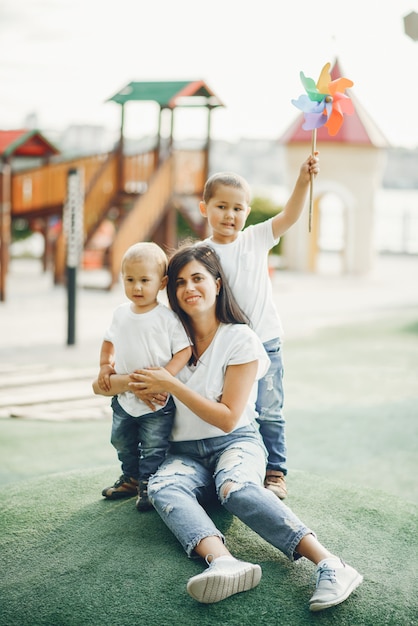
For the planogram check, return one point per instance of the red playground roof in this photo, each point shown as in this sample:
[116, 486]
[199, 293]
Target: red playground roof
[28, 143]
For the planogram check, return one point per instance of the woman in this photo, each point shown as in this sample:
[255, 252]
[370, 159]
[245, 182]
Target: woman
[215, 442]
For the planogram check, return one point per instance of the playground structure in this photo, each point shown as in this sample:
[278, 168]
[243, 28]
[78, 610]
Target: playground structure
[139, 194]
[134, 197]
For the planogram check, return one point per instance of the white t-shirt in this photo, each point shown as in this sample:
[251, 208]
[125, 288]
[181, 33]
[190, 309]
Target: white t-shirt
[233, 344]
[143, 340]
[245, 263]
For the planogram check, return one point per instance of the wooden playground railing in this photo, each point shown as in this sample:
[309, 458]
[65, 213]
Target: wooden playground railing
[137, 171]
[189, 172]
[45, 188]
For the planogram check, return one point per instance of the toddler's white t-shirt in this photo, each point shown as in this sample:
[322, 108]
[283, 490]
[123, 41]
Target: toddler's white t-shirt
[143, 340]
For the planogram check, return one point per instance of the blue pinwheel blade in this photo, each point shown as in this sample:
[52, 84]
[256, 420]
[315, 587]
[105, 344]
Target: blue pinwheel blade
[305, 104]
[314, 120]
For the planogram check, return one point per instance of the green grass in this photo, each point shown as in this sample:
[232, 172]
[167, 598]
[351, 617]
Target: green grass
[69, 558]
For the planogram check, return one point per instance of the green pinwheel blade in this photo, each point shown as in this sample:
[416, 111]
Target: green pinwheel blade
[311, 89]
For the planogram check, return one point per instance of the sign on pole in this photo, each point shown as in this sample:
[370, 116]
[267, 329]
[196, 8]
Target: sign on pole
[74, 233]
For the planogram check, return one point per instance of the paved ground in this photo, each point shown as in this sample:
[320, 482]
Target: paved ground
[42, 377]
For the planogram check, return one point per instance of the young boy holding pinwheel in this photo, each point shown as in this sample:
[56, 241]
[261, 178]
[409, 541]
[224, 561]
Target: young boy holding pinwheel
[244, 258]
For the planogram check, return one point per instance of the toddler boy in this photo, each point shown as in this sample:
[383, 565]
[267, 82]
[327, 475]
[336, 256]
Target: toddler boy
[143, 333]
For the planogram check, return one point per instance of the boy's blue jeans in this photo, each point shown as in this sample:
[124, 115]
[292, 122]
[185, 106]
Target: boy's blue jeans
[141, 442]
[269, 407]
[234, 466]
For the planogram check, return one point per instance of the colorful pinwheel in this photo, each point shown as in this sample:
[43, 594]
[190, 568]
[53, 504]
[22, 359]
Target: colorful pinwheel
[325, 102]
[324, 105]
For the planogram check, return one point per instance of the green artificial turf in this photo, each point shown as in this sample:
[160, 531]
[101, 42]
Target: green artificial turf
[351, 404]
[30, 449]
[70, 558]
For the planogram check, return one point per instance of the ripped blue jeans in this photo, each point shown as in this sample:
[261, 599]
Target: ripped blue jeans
[269, 407]
[233, 465]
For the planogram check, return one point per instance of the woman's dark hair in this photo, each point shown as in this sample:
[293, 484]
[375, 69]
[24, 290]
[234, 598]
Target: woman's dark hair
[227, 309]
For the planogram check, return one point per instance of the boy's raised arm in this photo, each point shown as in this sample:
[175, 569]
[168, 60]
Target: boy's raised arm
[294, 206]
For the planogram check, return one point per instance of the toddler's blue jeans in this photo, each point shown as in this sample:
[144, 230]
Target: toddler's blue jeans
[141, 442]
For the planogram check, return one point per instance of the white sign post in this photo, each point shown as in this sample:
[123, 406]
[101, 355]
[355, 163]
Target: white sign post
[74, 232]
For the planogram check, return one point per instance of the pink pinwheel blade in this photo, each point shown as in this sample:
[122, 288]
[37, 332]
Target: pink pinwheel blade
[341, 104]
[344, 103]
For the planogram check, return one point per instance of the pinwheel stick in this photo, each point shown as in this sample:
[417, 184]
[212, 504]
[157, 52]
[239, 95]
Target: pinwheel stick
[313, 150]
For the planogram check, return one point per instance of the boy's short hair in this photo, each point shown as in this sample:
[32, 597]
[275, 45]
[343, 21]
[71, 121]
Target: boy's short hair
[146, 249]
[229, 179]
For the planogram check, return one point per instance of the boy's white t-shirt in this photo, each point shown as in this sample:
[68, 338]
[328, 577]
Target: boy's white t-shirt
[143, 340]
[233, 344]
[245, 263]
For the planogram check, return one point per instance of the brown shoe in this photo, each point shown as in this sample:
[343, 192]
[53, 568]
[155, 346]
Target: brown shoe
[124, 487]
[275, 482]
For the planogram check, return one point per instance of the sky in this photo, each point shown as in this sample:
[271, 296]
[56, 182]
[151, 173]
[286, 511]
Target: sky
[62, 59]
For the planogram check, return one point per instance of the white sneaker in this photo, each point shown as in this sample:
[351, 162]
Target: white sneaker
[335, 581]
[223, 578]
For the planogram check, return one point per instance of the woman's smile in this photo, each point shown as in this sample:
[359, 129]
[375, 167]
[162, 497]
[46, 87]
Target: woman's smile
[192, 299]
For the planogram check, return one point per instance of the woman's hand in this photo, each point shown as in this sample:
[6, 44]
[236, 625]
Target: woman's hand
[151, 399]
[151, 383]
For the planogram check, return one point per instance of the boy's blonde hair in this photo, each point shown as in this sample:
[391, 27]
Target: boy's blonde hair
[229, 179]
[149, 250]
